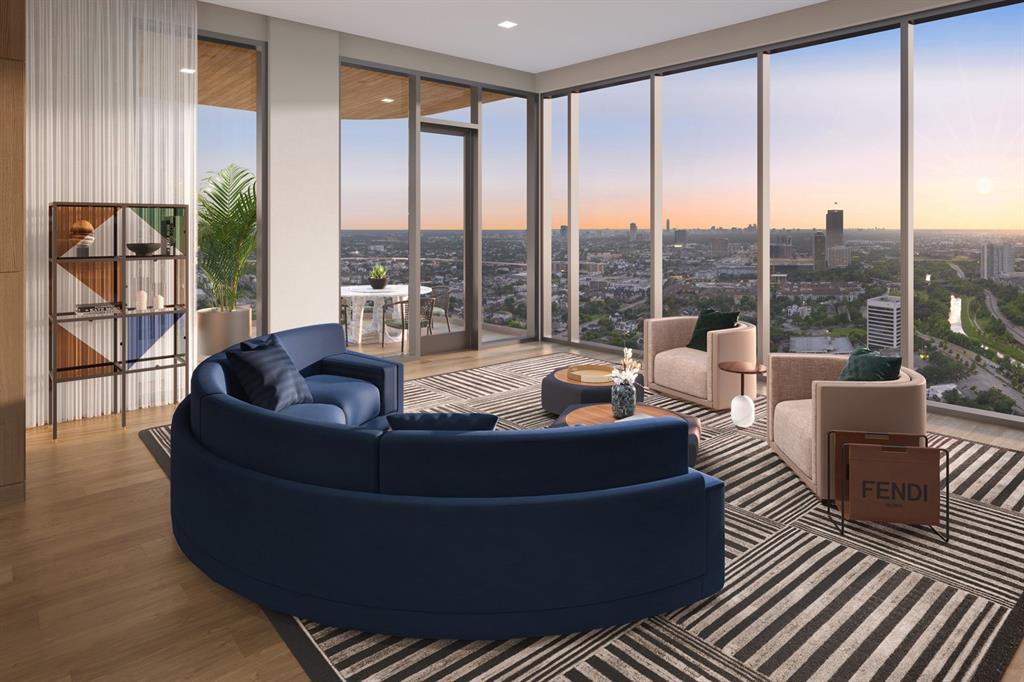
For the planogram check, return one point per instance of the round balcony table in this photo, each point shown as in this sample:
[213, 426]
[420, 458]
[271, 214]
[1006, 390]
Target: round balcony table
[742, 406]
[361, 294]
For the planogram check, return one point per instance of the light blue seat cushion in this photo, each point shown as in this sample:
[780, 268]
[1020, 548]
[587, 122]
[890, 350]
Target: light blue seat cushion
[358, 399]
[317, 412]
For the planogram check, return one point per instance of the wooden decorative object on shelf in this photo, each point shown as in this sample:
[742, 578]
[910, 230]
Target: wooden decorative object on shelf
[120, 334]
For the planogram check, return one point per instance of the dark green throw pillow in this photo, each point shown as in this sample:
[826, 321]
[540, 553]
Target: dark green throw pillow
[710, 320]
[869, 365]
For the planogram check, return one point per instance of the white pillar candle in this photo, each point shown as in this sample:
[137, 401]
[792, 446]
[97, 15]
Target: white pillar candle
[158, 301]
[140, 300]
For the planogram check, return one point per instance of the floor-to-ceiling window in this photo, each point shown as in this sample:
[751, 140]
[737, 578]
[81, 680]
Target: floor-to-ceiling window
[835, 196]
[227, 152]
[374, 200]
[615, 245]
[969, 208]
[503, 175]
[557, 204]
[709, 180]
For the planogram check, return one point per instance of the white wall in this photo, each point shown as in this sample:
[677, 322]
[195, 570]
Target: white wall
[303, 159]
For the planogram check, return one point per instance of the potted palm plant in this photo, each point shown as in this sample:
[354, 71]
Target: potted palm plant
[227, 238]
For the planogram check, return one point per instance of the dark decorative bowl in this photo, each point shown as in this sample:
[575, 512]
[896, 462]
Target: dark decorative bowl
[144, 248]
[378, 283]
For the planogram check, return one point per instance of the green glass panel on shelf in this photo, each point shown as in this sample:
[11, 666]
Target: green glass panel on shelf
[168, 223]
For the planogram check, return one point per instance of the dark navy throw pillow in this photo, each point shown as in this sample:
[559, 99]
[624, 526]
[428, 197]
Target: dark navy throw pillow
[268, 376]
[445, 421]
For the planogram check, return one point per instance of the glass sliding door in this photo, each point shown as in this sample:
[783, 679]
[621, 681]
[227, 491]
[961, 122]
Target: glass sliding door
[445, 261]
[374, 203]
[227, 157]
[503, 171]
[835, 197]
[969, 208]
[709, 171]
[615, 246]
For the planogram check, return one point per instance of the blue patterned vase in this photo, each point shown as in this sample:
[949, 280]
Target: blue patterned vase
[623, 400]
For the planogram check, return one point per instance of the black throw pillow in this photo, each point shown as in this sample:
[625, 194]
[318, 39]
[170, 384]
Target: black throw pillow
[710, 320]
[268, 376]
[868, 365]
[444, 421]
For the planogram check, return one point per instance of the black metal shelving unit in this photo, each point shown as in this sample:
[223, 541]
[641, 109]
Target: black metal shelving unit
[119, 366]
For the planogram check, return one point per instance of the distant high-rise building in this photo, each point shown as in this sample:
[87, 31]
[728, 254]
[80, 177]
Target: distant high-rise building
[564, 230]
[996, 260]
[719, 247]
[833, 228]
[820, 252]
[780, 247]
[632, 232]
[679, 238]
[668, 224]
[838, 257]
[885, 317]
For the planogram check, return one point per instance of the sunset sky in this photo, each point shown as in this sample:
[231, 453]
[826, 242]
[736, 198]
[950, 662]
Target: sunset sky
[834, 140]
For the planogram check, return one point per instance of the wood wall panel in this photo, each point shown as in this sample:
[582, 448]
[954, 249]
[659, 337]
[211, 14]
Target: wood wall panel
[12, 164]
[12, 378]
[12, 242]
[12, 30]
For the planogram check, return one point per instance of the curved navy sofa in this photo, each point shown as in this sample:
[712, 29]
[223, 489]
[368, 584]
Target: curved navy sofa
[436, 534]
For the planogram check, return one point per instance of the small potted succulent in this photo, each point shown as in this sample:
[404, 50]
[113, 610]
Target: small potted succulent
[624, 390]
[378, 277]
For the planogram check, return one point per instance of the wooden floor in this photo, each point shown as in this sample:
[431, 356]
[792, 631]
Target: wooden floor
[92, 585]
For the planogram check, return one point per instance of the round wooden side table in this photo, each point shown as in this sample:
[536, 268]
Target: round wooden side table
[742, 406]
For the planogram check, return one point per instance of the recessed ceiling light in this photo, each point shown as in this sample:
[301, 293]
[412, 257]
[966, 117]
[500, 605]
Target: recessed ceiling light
[188, 70]
[508, 24]
[387, 100]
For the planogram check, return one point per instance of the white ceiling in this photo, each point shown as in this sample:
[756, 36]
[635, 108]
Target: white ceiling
[550, 34]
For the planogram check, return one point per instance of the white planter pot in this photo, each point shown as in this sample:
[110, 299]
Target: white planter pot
[219, 329]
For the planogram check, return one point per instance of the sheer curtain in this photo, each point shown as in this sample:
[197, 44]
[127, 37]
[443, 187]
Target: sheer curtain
[111, 118]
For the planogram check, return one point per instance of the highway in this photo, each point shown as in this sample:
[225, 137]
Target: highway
[1016, 331]
[987, 374]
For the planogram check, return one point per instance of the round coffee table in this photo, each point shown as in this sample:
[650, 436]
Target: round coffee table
[601, 413]
[742, 406]
[558, 391]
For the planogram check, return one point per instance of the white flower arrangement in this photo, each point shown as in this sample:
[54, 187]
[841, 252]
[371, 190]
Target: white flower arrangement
[629, 371]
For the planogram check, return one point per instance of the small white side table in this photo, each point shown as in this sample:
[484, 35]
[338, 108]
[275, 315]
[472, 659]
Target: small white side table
[742, 406]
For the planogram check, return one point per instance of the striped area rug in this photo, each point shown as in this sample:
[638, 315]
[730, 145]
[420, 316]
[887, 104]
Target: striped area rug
[800, 602]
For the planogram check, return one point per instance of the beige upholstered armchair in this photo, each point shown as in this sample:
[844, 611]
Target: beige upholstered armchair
[806, 401]
[674, 370]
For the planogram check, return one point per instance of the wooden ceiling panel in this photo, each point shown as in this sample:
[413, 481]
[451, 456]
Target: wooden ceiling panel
[227, 75]
[227, 78]
[363, 92]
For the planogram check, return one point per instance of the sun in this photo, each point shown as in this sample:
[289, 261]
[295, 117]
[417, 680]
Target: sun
[983, 185]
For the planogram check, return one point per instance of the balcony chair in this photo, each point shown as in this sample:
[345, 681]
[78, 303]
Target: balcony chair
[806, 402]
[442, 301]
[402, 322]
[672, 369]
[344, 316]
